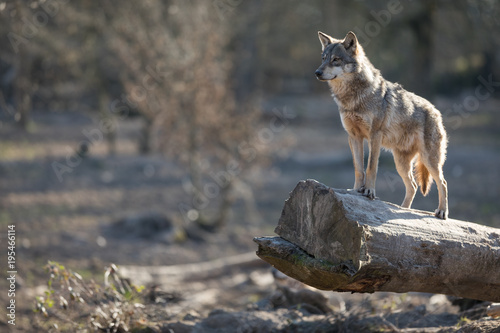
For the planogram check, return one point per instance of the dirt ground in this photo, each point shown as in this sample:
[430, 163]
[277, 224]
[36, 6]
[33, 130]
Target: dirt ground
[75, 220]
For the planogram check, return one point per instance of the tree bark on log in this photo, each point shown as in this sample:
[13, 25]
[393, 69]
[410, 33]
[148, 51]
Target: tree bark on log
[339, 240]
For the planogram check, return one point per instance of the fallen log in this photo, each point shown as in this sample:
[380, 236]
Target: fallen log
[339, 240]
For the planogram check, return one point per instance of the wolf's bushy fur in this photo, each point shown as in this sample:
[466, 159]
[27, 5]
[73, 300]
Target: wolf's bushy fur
[386, 115]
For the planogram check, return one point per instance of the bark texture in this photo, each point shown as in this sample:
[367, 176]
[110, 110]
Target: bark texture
[339, 240]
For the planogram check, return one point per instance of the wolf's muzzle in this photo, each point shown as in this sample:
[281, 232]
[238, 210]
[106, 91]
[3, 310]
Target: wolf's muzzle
[318, 73]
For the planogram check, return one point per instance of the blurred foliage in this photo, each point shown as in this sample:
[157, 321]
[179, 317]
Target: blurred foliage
[76, 54]
[196, 72]
[72, 304]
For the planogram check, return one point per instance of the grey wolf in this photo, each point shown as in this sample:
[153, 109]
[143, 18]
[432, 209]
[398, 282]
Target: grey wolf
[387, 116]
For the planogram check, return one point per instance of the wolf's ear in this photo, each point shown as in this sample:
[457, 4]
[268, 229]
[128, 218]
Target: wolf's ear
[324, 39]
[350, 43]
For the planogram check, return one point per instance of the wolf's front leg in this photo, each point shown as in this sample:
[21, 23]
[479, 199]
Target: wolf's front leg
[356, 145]
[371, 170]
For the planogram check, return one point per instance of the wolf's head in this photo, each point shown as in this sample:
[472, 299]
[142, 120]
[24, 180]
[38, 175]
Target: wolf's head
[339, 57]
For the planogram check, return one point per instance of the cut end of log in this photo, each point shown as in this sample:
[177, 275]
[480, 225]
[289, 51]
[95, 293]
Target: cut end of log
[338, 240]
[307, 220]
[296, 263]
[321, 274]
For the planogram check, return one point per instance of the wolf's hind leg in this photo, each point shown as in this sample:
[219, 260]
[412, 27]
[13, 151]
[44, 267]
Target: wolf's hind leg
[434, 163]
[403, 161]
[437, 173]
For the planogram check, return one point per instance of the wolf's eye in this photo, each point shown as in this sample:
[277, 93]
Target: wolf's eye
[335, 59]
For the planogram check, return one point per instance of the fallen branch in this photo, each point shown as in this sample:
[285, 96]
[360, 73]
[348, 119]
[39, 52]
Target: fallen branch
[338, 240]
[194, 271]
[493, 310]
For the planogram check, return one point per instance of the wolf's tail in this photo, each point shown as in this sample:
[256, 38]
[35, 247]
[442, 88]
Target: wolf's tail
[424, 179]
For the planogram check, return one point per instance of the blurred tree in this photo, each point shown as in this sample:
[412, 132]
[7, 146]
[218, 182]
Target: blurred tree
[176, 70]
[19, 55]
[246, 44]
[83, 50]
[193, 70]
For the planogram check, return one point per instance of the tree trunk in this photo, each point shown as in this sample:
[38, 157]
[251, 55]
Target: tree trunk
[339, 240]
[227, 200]
[421, 25]
[146, 135]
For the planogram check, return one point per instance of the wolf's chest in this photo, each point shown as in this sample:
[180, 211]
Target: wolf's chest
[356, 124]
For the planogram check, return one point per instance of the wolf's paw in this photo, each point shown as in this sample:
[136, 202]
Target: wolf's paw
[369, 192]
[441, 214]
[360, 189]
